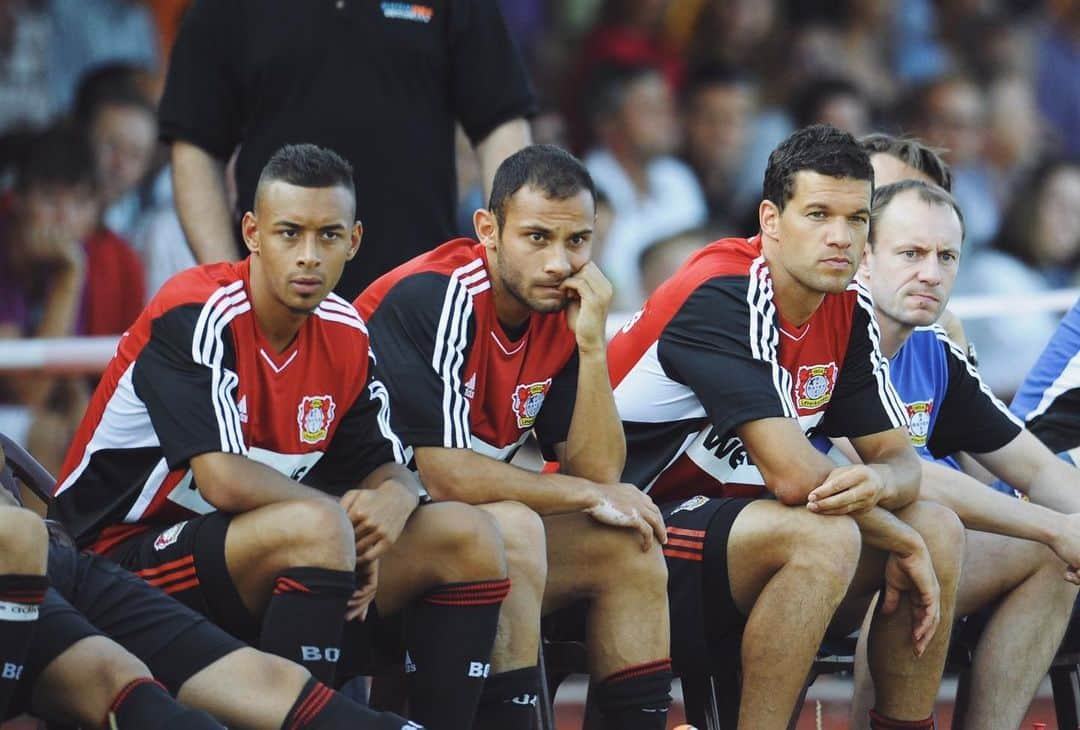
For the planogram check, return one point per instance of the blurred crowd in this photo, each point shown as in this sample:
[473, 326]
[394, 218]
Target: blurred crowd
[673, 104]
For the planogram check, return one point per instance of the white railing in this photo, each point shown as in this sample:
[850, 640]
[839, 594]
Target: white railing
[91, 354]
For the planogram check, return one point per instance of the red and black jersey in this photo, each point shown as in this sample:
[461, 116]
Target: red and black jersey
[709, 351]
[194, 374]
[456, 378]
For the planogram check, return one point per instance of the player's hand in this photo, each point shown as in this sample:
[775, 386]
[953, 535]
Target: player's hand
[1066, 544]
[624, 505]
[378, 516]
[847, 490]
[589, 293]
[367, 585]
[913, 574]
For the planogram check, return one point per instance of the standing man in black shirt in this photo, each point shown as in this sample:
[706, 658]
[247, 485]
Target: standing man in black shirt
[382, 84]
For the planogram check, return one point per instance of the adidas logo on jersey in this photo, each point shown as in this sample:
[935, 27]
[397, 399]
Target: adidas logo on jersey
[242, 408]
[470, 386]
[410, 665]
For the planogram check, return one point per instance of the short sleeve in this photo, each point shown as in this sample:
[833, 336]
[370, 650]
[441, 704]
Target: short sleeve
[185, 376]
[553, 423]
[971, 417]
[489, 84]
[363, 442]
[865, 401]
[423, 331]
[202, 100]
[724, 350]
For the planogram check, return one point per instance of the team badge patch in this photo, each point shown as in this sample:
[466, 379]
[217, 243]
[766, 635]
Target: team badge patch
[815, 385]
[691, 504]
[527, 402]
[919, 421]
[168, 537]
[314, 416]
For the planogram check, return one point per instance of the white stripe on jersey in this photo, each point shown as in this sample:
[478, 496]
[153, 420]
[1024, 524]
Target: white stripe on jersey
[648, 395]
[148, 492]
[764, 335]
[953, 349]
[505, 454]
[379, 392]
[451, 338]
[332, 316]
[890, 399]
[208, 349]
[125, 424]
[335, 305]
[1068, 379]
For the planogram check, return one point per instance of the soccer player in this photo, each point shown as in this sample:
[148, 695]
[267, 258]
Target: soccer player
[481, 344]
[752, 346]
[58, 661]
[238, 454]
[1018, 554]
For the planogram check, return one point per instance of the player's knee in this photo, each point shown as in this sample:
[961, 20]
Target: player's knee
[467, 543]
[115, 670]
[315, 533]
[943, 533]
[24, 542]
[615, 556]
[826, 547]
[524, 540]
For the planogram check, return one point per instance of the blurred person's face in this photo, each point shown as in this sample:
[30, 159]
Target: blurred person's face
[745, 23]
[912, 265]
[1014, 127]
[821, 232]
[124, 139]
[954, 120]
[52, 216]
[662, 264]
[1058, 235]
[541, 243]
[300, 239]
[889, 170]
[647, 117]
[718, 125]
[846, 112]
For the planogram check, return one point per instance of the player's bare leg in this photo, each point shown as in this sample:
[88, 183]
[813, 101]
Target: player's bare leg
[788, 569]
[24, 547]
[24, 542]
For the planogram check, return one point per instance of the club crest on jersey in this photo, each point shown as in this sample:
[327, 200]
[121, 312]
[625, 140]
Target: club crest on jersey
[691, 504]
[919, 421]
[815, 384]
[527, 402]
[168, 537]
[314, 416]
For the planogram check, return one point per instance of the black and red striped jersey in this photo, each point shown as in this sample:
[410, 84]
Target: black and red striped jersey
[709, 351]
[195, 374]
[455, 376]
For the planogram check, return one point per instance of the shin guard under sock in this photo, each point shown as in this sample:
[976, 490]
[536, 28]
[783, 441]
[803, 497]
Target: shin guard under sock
[508, 701]
[636, 698]
[305, 618]
[449, 633]
[20, 599]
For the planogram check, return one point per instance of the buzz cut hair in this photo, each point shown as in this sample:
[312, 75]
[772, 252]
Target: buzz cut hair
[820, 148]
[307, 166]
[913, 152]
[929, 194]
[552, 170]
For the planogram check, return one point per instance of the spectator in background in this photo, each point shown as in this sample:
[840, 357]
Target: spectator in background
[1058, 69]
[832, 100]
[25, 38]
[257, 74]
[652, 193]
[661, 260]
[1015, 133]
[719, 106]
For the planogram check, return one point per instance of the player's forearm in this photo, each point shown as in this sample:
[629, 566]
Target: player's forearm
[883, 530]
[503, 141]
[462, 475]
[237, 484]
[1056, 484]
[202, 203]
[595, 444]
[901, 478]
[981, 508]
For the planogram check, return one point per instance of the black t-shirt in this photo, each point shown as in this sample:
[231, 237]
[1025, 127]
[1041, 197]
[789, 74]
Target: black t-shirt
[381, 83]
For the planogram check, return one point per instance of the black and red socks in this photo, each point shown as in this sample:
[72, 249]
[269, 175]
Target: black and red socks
[146, 705]
[320, 708]
[449, 633]
[881, 722]
[509, 700]
[636, 698]
[20, 598]
[305, 618]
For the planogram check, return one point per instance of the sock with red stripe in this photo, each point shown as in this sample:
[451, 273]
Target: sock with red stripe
[146, 705]
[320, 708]
[449, 633]
[305, 618]
[881, 722]
[509, 700]
[20, 598]
[636, 698]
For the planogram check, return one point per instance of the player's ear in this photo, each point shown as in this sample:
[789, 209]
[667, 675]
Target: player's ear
[354, 245]
[864, 262]
[486, 227]
[769, 219]
[249, 227]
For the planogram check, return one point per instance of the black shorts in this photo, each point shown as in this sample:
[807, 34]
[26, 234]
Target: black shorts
[706, 626]
[187, 561]
[91, 596]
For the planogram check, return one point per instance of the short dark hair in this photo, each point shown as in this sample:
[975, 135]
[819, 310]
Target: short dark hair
[59, 156]
[118, 84]
[607, 86]
[820, 148]
[307, 166]
[929, 194]
[550, 169]
[913, 152]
